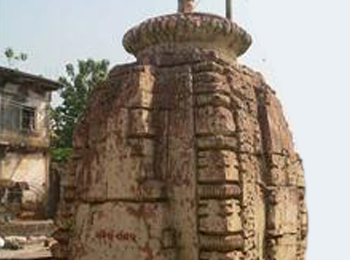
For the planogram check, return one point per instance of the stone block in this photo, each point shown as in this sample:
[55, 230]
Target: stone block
[223, 191]
[218, 142]
[283, 215]
[215, 99]
[142, 99]
[217, 166]
[280, 138]
[219, 216]
[119, 229]
[235, 255]
[141, 147]
[284, 247]
[208, 77]
[221, 243]
[215, 121]
[208, 66]
[140, 121]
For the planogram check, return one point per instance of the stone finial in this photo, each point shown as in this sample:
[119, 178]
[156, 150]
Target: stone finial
[229, 9]
[185, 6]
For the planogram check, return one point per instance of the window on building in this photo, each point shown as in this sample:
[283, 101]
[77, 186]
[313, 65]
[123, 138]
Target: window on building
[28, 119]
[16, 117]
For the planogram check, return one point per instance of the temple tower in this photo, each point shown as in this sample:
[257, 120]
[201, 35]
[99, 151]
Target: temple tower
[184, 154]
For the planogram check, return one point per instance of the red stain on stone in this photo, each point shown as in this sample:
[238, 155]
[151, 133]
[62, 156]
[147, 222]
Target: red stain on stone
[143, 211]
[148, 251]
[109, 236]
[100, 215]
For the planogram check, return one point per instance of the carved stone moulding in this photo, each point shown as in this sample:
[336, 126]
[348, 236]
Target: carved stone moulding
[204, 31]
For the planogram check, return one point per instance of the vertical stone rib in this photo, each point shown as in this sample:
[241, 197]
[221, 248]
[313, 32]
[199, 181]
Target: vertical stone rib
[265, 133]
[218, 184]
[284, 191]
[248, 182]
[181, 181]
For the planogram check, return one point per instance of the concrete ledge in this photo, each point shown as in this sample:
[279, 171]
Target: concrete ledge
[32, 254]
[27, 228]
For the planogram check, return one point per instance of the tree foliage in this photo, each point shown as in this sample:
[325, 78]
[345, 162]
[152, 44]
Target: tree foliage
[12, 56]
[78, 84]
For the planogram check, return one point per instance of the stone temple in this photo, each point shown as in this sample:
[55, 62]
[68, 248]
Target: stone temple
[183, 155]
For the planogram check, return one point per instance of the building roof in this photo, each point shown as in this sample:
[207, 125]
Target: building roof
[21, 77]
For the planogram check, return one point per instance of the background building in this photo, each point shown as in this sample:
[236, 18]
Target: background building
[24, 138]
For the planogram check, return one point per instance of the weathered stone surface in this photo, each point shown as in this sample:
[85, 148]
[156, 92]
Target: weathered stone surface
[217, 166]
[184, 155]
[179, 31]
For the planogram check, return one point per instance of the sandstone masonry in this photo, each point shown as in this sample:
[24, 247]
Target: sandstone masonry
[184, 154]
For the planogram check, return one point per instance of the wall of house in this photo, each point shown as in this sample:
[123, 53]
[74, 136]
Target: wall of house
[25, 157]
[31, 168]
[16, 96]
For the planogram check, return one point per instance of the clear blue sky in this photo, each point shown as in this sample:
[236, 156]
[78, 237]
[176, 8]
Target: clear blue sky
[302, 46]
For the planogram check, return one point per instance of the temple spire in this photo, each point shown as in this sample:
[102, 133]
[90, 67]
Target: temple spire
[185, 6]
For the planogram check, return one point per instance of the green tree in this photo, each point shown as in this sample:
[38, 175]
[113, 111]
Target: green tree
[12, 56]
[78, 84]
